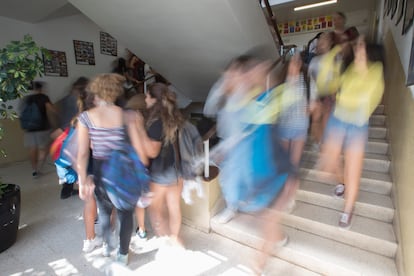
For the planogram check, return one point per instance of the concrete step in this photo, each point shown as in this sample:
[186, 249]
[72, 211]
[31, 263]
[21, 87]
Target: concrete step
[375, 182]
[318, 254]
[379, 110]
[372, 162]
[377, 120]
[377, 132]
[365, 233]
[370, 205]
[377, 146]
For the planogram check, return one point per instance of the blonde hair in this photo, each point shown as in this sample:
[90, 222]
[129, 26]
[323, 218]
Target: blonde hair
[108, 87]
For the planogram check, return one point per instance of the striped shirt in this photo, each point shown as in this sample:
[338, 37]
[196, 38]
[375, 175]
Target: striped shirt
[103, 140]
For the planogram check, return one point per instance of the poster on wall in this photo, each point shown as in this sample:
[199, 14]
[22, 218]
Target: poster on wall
[306, 25]
[56, 64]
[108, 44]
[84, 53]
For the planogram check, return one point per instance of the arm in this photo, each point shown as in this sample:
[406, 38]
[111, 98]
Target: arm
[135, 125]
[85, 187]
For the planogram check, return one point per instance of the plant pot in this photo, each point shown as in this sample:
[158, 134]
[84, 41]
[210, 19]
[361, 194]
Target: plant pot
[9, 216]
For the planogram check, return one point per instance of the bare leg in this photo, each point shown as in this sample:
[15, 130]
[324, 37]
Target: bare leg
[89, 216]
[140, 216]
[173, 197]
[156, 209]
[42, 154]
[354, 161]
[33, 158]
[316, 127]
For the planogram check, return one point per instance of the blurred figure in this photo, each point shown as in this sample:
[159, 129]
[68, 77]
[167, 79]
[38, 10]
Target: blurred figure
[67, 107]
[137, 103]
[254, 165]
[324, 74]
[292, 123]
[37, 137]
[361, 89]
[103, 128]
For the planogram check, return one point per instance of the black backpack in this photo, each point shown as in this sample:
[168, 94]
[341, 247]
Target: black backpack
[31, 118]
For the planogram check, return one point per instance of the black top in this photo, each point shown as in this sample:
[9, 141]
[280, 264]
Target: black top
[165, 158]
[41, 100]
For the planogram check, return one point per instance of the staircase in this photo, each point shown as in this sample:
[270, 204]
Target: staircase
[315, 241]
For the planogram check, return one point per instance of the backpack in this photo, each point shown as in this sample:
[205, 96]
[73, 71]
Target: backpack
[63, 150]
[31, 118]
[124, 177]
[191, 151]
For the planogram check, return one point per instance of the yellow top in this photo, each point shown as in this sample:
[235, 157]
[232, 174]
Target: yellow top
[360, 93]
[328, 77]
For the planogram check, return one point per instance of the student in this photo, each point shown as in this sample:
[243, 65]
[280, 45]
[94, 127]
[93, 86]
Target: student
[361, 90]
[37, 139]
[103, 128]
[163, 122]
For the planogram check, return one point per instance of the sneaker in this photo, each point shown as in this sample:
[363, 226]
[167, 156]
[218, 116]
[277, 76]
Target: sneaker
[290, 206]
[282, 242]
[339, 190]
[66, 191]
[106, 251]
[122, 259]
[89, 245]
[226, 215]
[35, 174]
[345, 220]
[142, 234]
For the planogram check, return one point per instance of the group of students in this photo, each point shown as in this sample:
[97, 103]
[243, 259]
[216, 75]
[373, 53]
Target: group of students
[263, 117]
[151, 123]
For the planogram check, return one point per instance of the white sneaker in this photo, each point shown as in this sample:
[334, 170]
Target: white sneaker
[226, 215]
[106, 251]
[89, 245]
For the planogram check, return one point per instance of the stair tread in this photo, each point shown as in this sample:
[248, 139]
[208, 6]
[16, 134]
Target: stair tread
[367, 156]
[365, 173]
[324, 255]
[362, 225]
[370, 140]
[363, 196]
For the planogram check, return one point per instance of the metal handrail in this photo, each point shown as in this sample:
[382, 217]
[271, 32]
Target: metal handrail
[272, 19]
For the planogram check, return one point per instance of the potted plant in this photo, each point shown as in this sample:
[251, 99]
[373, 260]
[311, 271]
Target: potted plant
[20, 63]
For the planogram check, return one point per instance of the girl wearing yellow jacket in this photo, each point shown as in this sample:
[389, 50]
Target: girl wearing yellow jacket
[361, 90]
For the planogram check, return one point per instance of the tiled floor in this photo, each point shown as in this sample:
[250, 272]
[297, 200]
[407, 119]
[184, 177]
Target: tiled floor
[51, 233]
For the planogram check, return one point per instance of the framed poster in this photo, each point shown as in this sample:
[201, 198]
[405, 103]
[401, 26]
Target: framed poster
[408, 16]
[400, 11]
[108, 44]
[410, 73]
[56, 64]
[84, 53]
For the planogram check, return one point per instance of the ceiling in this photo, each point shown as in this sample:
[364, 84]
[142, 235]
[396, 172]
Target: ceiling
[33, 11]
[284, 12]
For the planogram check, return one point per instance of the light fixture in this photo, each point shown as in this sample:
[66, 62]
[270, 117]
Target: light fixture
[315, 5]
[275, 2]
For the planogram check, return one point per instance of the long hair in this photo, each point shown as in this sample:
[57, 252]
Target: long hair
[165, 108]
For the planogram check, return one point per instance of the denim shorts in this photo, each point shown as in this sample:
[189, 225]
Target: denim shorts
[348, 134]
[167, 177]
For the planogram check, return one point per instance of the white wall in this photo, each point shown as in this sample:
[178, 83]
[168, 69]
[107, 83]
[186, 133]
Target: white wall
[58, 35]
[403, 42]
[359, 19]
